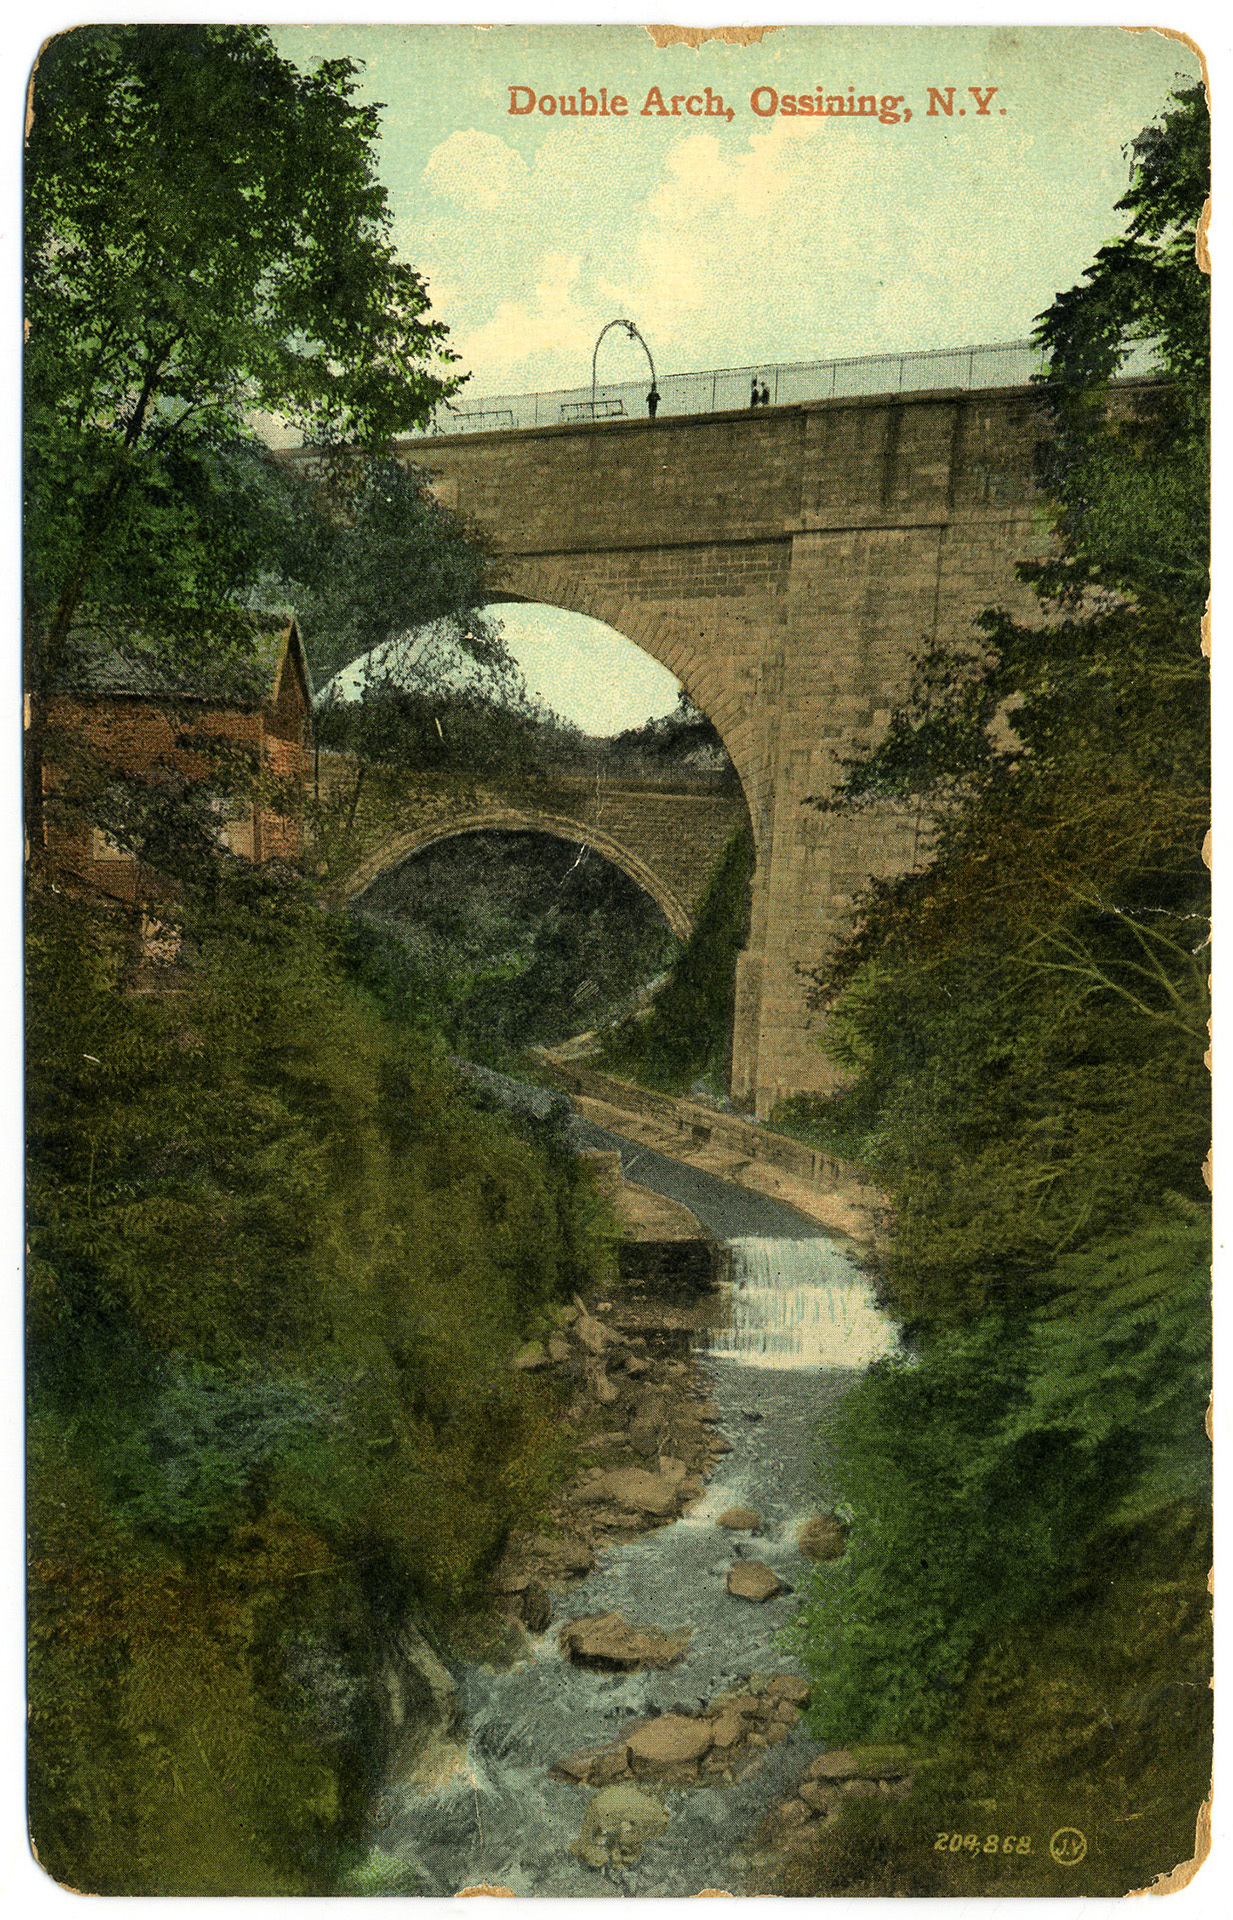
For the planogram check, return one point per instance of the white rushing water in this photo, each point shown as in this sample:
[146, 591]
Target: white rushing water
[800, 1303]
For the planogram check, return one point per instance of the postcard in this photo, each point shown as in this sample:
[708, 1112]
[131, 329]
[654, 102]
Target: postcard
[616, 787]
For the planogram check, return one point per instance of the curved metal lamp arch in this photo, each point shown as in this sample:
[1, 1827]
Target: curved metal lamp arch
[634, 334]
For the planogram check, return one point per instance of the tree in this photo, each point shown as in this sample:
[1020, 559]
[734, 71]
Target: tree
[1132, 490]
[206, 243]
[380, 570]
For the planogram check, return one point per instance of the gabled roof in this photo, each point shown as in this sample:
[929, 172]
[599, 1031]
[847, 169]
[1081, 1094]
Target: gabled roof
[236, 659]
[287, 655]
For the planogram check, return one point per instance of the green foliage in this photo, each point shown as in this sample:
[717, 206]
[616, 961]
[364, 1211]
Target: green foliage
[279, 1262]
[198, 1458]
[205, 236]
[1132, 493]
[506, 941]
[380, 1875]
[974, 1474]
[688, 1032]
[1093, 1714]
[683, 743]
[163, 1754]
[376, 556]
[379, 966]
[207, 245]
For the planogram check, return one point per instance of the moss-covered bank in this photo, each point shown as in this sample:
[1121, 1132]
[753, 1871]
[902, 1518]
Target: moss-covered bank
[280, 1259]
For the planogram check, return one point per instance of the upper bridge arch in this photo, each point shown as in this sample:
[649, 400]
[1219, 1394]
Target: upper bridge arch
[675, 641]
[786, 565]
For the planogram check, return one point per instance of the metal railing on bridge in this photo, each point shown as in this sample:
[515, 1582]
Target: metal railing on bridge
[1004, 363]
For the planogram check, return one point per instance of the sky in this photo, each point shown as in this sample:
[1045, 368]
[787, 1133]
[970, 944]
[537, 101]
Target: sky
[580, 668]
[742, 236]
[759, 238]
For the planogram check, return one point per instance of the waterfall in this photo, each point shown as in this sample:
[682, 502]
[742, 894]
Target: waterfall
[800, 1303]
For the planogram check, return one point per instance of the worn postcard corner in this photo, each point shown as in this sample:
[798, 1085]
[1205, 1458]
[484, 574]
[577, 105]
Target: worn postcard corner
[616, 767]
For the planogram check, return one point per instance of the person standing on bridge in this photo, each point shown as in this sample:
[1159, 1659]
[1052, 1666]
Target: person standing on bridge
[765, 395]
[652, 400]
[753, 393]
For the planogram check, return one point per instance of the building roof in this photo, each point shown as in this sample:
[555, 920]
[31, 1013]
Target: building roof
[233, 659]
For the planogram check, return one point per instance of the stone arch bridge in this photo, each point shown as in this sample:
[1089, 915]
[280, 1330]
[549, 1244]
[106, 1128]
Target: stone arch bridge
[665, 837]
[785, 565]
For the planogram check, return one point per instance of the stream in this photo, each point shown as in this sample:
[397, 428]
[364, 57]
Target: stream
[802, 1325]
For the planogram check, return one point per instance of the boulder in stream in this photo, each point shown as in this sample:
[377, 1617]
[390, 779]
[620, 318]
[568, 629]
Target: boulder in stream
[536, 1607]
[668, 1744]
[739, 1519]
[555, 1563]
[632, 1487]
[606, 1644]
[750, 1580]
[616, 1826]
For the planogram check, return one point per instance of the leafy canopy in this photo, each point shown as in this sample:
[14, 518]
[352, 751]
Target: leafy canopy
[206, 243]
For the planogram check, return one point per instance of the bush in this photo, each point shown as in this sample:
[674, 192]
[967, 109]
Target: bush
[688, 1032]
[975, 1474]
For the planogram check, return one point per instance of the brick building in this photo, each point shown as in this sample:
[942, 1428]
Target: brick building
[120, 713]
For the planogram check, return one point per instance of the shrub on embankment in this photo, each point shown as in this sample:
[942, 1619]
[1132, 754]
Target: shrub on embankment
[687, 1034]
[278, 1263]
[1028, 1496]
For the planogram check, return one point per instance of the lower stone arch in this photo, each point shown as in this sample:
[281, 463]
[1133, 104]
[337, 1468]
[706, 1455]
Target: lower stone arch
[413, 840]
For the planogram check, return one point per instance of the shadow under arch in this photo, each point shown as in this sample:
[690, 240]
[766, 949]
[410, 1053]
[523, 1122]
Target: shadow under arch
[416, 839]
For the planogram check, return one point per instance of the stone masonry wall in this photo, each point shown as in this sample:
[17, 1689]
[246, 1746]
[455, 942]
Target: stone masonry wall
[666, 838]
[785, 566]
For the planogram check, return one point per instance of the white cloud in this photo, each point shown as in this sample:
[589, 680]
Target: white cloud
[477, 168]
[551, 321]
